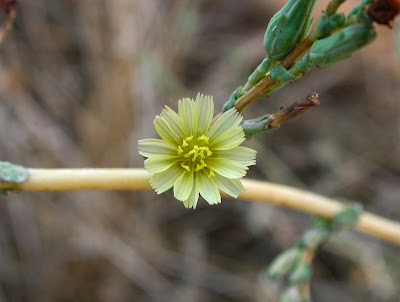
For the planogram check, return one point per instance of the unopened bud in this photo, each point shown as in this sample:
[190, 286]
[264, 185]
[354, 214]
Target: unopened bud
[327, 23]
[287, 28]
[340, 45]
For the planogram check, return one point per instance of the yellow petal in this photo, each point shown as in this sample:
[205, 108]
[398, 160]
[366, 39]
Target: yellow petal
[164, 181]
[227, 140]
[160, 163]
[165, 131]
[232, 187]
[191, 202]
[188, 114]
[183, 186]
[226, 167]
[243, 155]
[227, 120]
[205, 111]
[174, 121]
[208, 189]
[152, 146]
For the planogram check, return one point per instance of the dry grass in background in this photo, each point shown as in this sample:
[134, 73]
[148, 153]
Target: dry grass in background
[80, 83]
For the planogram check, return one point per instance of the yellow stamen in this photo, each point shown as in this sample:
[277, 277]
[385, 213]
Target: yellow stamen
[200, 166]
[211, 174]
[186, 167]
[193, 151]
[203, 138]
[196, 154]
[186, 140]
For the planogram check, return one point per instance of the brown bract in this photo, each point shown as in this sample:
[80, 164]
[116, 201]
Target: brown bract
[384, 11]
[287, 113]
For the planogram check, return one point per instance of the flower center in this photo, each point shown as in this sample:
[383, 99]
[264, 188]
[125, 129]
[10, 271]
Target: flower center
[194, 152]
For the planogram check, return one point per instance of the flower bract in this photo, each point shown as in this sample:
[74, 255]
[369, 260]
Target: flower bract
[195, 155]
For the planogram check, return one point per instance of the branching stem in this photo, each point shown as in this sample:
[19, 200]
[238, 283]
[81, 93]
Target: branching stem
[265, 84]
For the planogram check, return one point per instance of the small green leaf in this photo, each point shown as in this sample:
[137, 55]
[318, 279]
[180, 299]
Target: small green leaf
[13, 173]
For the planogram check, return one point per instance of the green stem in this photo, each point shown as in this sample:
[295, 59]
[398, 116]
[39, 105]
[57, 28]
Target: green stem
[259, 73]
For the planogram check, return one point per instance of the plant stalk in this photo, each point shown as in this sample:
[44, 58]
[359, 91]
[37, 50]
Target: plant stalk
[138, 179]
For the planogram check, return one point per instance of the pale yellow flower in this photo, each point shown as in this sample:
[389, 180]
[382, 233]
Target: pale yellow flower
[195, 156]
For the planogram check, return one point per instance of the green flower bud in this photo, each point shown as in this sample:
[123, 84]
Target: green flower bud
[336, 47]
[287, 28]
[327, 23]
[284, 263]
[341, 45]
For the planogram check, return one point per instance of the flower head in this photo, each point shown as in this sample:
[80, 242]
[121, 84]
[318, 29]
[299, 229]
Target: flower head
[195, 155]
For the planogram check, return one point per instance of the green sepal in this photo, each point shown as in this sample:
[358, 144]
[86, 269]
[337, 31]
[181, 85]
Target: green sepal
[280, 75]
[256, 126]
[13, 173]
[272, 34]
[307, 28]
[328, 23]
[359, 13]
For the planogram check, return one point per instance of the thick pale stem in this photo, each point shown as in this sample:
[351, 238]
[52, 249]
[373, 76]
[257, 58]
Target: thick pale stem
[83, 179]
[319, 205]
[138, 179]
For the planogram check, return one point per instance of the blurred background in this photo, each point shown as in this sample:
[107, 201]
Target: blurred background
[80, 83]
